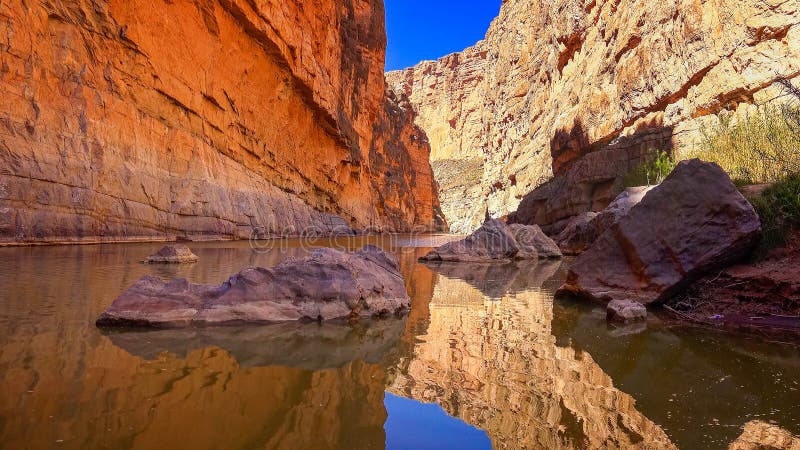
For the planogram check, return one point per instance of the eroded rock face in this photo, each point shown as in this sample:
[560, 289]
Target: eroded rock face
[694, 222]
[123, 120]
[329, 284]
[172, 254]
[497, 241]
[576, 92]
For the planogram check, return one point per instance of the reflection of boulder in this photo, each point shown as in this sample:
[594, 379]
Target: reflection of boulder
[305, 346]
[497, 280]
[496, 365]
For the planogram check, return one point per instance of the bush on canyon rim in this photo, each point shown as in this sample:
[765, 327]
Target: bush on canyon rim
[652, 171]
[762, 147]
[779, 209]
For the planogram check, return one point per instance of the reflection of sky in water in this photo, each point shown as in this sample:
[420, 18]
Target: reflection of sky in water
[415, 425]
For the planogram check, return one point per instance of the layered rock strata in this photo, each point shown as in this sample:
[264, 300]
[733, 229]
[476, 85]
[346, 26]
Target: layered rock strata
[564, 97]
[127, 120]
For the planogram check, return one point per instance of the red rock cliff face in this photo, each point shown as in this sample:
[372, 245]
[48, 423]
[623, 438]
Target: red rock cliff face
[134, 119]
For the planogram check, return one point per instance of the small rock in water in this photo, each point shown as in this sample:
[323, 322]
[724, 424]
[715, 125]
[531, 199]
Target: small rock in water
[172, 254]
[626, 311]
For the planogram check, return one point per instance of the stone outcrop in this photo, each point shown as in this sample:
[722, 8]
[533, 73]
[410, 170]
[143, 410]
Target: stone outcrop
[172, 254]
[329, 284]
[497, 241]
[563, 97]
[124, 120]
[582, 230]
[758, 435]
[692, 223]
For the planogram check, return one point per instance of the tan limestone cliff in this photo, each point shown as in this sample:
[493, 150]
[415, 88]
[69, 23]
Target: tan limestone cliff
[563, 97]
[129, 120]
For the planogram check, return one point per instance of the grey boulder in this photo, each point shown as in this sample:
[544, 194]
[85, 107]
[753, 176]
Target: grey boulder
[694, 222]
[497, 241]
[327, 285]
[533, 243]
[581, 232]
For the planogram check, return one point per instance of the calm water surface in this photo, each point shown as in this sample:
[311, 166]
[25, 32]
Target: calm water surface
[485, 359]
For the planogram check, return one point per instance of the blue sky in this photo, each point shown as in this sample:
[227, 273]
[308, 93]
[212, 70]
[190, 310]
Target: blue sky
[429, 29]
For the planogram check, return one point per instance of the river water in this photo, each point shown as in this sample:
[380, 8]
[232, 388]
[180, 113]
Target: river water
[485, 359]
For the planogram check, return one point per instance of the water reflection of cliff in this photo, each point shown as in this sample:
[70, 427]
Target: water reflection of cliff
[203, 400]
[66, 385]
[495, 364]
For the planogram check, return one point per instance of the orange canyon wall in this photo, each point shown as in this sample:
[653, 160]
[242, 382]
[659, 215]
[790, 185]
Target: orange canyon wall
[126, 120]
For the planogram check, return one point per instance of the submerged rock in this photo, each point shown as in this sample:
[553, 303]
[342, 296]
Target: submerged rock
[694, 222]
[327, 285]
[626, 311]
[497, 241]
[172, 254]
[759, 435]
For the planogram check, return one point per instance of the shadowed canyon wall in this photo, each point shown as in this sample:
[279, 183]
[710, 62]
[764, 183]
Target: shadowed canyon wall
[126, 120]
[564, 97]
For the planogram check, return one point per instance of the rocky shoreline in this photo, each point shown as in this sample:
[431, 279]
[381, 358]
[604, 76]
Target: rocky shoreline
[684, 248]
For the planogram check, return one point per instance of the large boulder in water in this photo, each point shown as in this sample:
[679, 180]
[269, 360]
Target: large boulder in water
[497, 241]
[327, 285]
[581, 232]
[694, 222]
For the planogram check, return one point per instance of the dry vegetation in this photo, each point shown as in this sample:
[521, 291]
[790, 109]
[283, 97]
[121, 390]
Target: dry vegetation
[763, 147]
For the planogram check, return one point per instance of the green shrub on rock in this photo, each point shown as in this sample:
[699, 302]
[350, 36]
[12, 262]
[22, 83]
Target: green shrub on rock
[652, 171]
